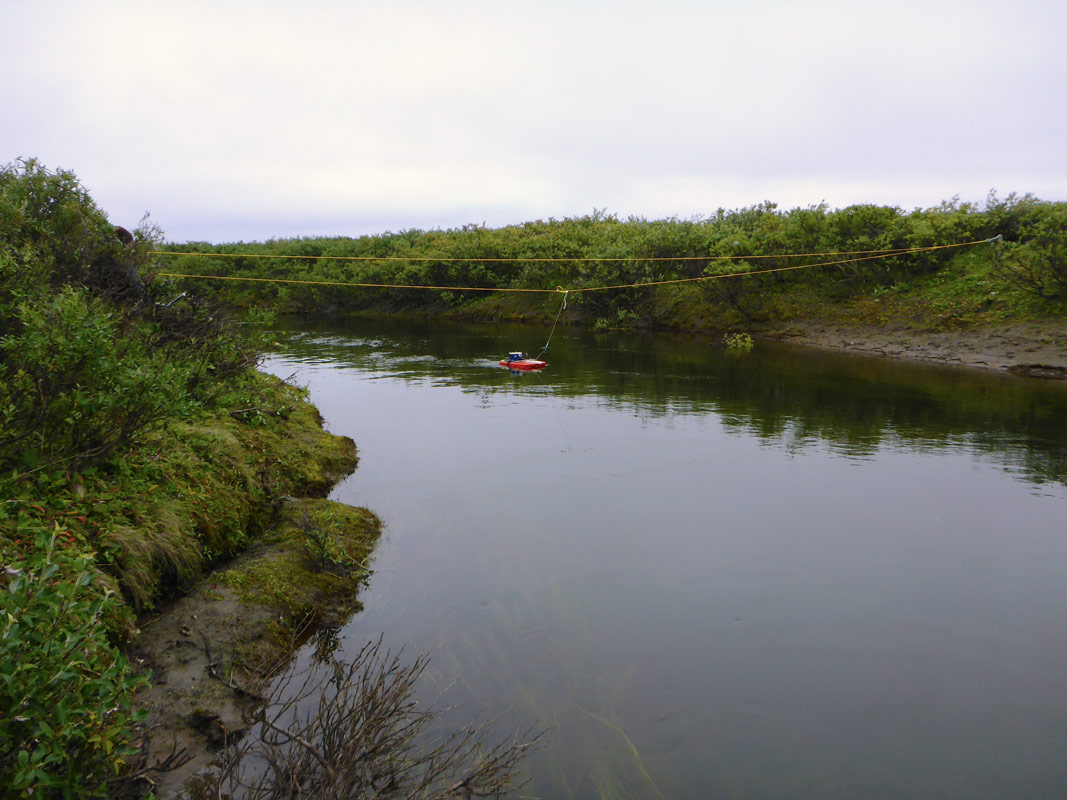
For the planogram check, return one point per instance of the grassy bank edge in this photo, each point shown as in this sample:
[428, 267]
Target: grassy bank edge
[231, 498]
[212, 651]
[296, 572]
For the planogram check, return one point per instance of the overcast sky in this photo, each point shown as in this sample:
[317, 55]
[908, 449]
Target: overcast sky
[254, 120]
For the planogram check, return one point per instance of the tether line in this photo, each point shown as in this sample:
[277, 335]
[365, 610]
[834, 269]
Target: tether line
[564, 259]
[562, 308]
[358, 285]
[869, 255]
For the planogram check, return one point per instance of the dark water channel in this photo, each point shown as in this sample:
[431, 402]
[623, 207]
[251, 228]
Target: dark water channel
[786, 574]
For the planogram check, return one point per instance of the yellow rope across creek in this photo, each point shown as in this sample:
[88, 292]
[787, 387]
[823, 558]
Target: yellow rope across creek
[855, 256]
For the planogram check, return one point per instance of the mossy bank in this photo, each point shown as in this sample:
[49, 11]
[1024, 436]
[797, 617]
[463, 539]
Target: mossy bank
[213, 649]
[140, 449]
[225, 554]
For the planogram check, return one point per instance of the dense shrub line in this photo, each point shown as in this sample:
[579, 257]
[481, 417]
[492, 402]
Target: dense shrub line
[1033, 255]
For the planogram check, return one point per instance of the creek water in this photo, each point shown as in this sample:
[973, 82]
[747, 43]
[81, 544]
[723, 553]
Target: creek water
[778, 574]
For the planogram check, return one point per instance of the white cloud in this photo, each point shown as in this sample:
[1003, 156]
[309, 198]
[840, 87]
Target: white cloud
[246, 120]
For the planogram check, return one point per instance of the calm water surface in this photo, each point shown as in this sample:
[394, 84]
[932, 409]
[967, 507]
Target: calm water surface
[780, 575]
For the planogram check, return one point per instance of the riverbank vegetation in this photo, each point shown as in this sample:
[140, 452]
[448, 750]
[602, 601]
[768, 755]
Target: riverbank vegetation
[139, 446]
[1016, 270]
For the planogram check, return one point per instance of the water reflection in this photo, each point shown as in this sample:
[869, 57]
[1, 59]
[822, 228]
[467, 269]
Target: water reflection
[789, 574]
[783, 395]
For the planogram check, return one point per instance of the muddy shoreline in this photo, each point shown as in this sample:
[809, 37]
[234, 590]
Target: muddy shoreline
[1036, 349]
[213, 651]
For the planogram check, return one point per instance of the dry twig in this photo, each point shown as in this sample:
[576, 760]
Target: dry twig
[354, 730]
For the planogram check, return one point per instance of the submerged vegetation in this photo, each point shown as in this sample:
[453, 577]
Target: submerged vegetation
[1020, 273]
[352, 729]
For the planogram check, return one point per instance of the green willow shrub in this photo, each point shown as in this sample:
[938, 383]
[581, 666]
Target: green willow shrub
[21, 280]
[64, 691]
[631, 251]
[1038, 265]
[58, 229]
[73, 389]
[738, 342]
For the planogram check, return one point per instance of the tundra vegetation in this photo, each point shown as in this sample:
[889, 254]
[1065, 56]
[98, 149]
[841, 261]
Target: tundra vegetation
[1022, 275]
[139, 448]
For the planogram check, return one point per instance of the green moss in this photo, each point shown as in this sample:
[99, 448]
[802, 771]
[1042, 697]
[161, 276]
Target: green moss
[190, 495]
[284, 576]
[287, 576]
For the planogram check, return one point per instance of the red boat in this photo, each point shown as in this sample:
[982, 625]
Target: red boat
[520, 361]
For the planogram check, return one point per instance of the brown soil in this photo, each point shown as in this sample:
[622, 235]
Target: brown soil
[191, 703]
[211, 651]
[1038, 349]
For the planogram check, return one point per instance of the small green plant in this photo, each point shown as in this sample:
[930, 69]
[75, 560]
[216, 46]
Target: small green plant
[738, 342]
[64, 690]
[258, 315]
[322, 546]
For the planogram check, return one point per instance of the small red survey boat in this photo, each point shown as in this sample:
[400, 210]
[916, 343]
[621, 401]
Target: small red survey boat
[520, 361]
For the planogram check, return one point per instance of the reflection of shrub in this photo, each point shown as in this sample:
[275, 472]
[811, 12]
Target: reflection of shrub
[64, 692]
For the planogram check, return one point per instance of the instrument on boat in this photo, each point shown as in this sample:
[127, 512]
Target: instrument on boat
[517, 360]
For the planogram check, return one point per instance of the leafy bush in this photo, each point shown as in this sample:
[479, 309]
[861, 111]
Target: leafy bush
[49, 221]
[73, 389]
[1038, 264]
[64, 691]
[91, 358]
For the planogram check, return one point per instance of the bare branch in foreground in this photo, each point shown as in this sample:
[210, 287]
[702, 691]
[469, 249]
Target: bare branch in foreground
[353, 730]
